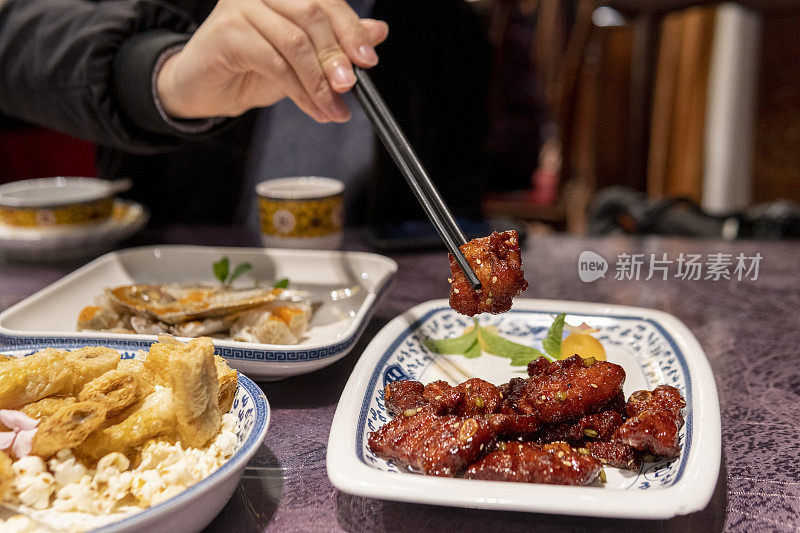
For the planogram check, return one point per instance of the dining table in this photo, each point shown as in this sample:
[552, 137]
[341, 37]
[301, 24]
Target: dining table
[748, 325]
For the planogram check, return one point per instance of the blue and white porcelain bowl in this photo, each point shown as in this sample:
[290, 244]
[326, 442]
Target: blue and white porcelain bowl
[196, 507]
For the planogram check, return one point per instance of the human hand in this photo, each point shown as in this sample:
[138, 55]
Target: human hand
[252, 53]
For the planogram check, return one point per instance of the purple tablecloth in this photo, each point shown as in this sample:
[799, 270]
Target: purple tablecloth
[749, 330]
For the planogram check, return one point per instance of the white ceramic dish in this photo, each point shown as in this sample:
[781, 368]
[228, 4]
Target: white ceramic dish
[652, 346]
[346, 284]
[195, 507]
[59, 243]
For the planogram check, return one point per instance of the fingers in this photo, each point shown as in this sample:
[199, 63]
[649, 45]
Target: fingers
[301, 56]
[308, 15]
[288, 82]
[377, 30]
[319, 19]
[350, 33]
[271, 69]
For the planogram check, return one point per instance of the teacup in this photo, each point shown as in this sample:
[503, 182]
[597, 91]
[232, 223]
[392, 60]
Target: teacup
[301, 212]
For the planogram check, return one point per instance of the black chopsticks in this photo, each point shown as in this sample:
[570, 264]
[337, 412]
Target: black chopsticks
[406, 159]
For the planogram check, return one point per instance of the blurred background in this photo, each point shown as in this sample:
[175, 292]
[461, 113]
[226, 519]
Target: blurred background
[587, 117]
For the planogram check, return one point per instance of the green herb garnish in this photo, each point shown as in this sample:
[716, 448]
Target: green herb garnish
[519, 354]
[281, 284]
[457, 345]
[222, 269]
[482, 339]
[552, 343]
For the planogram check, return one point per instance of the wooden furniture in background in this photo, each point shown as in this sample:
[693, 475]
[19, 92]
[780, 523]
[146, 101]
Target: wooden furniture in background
[776, 158]
[675, 163]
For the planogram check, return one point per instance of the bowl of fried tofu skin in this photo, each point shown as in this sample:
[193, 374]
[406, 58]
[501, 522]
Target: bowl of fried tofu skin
[91, 440]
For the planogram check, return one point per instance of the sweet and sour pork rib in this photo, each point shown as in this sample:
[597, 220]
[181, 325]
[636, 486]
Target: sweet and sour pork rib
[432, 444]
[443, 397]
[400, 396]
[559, 391]
[598, 426]
[662, 398]
[654, 431]
[654, 421]
[653, 426]
[614, 452]
[473, 397]
[513, 426]
[555, 464]
[497, 262]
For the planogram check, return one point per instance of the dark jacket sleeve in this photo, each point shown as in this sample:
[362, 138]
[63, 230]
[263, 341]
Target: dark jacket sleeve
[57, 68]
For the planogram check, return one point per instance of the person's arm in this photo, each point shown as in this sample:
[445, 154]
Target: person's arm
[56, 67]
[103, 71]
[252, 53]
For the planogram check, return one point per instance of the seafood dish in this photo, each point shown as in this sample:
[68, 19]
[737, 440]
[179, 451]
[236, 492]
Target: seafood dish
[88, 438]
[561, 425]
[260, 315]
[497, 263]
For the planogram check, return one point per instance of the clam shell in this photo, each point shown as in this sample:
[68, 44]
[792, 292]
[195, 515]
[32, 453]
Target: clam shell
[178, 304]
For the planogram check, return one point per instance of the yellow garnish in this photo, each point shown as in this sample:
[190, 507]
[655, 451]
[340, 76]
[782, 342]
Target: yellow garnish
[584, 345]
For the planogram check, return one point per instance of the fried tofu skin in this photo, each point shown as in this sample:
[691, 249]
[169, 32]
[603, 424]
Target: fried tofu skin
[147, 379]
[555, 464]
[47, 406]
[116, 390]
[29, 379]
[228, 383]
[154, 417]
[155, 370]
[90, 362]
[68, 427]
[497, 262]
[195, 388]
[6, 476]
[156, 363]
[52, 372]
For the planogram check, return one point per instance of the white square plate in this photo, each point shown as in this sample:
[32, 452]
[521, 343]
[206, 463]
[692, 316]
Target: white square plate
[653, 347]
[346, 285]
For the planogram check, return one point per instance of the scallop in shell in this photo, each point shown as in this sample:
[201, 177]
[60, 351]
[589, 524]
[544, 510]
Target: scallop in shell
[177, 304]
